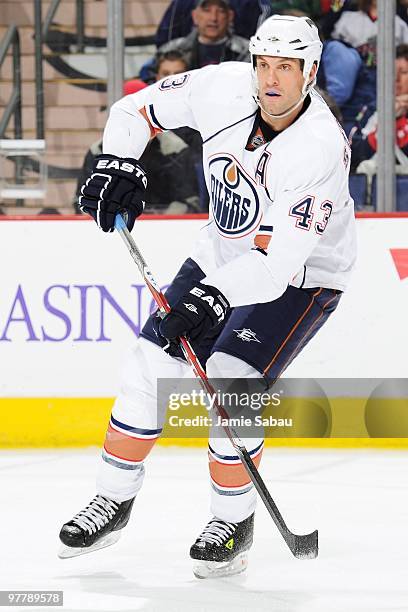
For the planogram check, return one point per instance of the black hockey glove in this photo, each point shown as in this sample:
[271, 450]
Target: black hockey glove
[171, 347]
[195, 314]
[116, 185]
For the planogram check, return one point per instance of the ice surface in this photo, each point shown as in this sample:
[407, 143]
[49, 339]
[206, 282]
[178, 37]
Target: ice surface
[357, 500]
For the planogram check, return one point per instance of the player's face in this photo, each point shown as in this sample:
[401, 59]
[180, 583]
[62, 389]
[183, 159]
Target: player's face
[170, 67]
[280, 83]
[212, 21]
[401, 76]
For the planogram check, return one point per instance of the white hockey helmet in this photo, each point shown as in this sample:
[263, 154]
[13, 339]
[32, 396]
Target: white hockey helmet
[286, 36]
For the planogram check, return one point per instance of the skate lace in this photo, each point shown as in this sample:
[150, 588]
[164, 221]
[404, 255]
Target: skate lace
[217, 531]
[96, 515]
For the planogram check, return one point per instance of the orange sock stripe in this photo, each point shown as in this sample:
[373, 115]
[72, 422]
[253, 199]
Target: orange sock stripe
[232, 475]
[126, 447]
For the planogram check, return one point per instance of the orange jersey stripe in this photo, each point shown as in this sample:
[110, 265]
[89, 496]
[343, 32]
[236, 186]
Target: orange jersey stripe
[262, 241]
[153, 130]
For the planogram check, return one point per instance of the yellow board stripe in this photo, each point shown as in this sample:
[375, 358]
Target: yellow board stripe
[53, 422]
[80, 422]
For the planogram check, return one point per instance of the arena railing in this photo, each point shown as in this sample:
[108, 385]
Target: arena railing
[17, 150]
[41, 30]
[13, 107]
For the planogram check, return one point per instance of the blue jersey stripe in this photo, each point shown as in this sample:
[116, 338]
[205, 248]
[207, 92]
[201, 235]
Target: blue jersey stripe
[229, 126]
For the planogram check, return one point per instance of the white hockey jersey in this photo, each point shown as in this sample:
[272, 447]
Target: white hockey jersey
[288, 197]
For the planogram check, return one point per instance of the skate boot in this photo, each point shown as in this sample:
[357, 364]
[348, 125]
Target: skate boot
[95, 527]
[222, 548]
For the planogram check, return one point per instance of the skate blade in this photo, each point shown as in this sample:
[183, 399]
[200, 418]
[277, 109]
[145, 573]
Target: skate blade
[217, 569]
[66, 552]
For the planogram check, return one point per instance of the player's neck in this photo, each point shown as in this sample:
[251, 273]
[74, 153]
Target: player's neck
[280, 124]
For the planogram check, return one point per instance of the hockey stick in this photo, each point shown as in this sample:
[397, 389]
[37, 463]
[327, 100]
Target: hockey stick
[302, 546]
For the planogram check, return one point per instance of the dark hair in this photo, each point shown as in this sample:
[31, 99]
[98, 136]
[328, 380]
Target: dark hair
[171, 56]
[365, 5]
[402, 51]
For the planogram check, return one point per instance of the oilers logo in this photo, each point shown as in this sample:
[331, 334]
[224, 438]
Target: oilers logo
[234, 200]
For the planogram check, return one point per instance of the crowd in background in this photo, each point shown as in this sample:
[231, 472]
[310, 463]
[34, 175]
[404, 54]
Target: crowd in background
[196, 33]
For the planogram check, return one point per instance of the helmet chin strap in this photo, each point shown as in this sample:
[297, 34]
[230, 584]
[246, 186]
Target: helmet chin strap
[305, 91]
[285, 113]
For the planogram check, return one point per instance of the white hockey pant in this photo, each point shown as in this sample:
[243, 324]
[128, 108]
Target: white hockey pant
[137, 421]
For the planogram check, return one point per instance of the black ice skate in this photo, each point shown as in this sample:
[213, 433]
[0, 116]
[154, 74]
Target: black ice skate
[95, 527]
[222, 548]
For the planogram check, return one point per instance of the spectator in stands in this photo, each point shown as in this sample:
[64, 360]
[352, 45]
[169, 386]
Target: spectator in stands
[172, 62]
[313, 8]
[339, 69]
[171, 158]
[324, 12]
[163, 65]
[364, 133]
[211, 41]
[133, 86]
[177, 21]
[330, 18]
[359, 30]
[402, 9]
[401, 82]
[174, 157]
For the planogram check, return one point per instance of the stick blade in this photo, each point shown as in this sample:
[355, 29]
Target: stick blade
[304, 546]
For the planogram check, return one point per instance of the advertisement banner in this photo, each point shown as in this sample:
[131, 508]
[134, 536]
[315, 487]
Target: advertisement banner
[72, 303]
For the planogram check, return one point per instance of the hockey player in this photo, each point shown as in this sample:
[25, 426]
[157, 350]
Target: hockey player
[273, 260]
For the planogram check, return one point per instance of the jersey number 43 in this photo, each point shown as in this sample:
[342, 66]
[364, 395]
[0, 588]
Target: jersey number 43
[302, 211]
